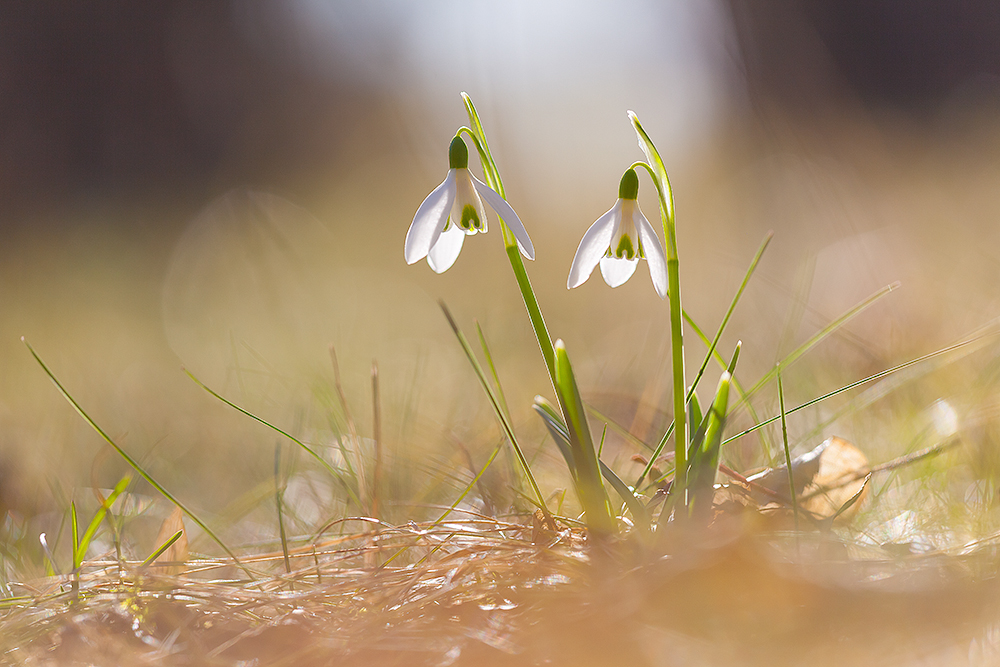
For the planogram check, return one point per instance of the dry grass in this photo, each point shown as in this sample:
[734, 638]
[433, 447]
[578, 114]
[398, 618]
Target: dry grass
[488, 595]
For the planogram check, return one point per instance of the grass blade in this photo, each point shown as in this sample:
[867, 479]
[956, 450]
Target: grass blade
[278, 489]
[863, 381]
[163, 547]
[732, 306]
[712, 353]
[557, 429]
[333, 471]
[135, 464]
[75, 532]
[819, 336]
[501, 417]
[640, 515]
[501, 399]
[355, 472]
[788, 455]
[95, 523]
[377, 438]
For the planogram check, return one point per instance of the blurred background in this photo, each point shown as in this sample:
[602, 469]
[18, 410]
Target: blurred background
[225, 186]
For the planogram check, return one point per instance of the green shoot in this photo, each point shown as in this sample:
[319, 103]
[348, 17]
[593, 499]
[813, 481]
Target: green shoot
[588, 475]
[560, 434]
[706, 447]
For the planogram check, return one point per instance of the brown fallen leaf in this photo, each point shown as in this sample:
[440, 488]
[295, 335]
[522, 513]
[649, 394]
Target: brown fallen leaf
[841, 475]
[176, 554]
[825, 479]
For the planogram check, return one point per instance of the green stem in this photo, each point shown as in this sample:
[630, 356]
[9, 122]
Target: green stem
[492, 175]
[666, 198]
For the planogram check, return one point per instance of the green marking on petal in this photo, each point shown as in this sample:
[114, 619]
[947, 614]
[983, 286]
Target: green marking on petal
[625, 248]
[470, 218]
[458, 154]
[628, 188]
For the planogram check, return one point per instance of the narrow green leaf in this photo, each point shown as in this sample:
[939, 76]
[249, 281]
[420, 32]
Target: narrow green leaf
[135, 464]
[501, 399]
[588, 475]
[75, 527]
[333, 471]
[163, 547]
[705, 459]
[788, 454]
[695, 415]
[640, 515]
[505, 425]
[95, 523]
[278, 490]
[705, 465]
[871, 378]
[557, 429]
[553, 422]
[821, 335]
[713, 353]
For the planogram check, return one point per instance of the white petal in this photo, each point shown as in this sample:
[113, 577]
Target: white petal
[653, 252]
[593, 245]
[445, 251]
[617, 271]
[504, 211]
[429, 220]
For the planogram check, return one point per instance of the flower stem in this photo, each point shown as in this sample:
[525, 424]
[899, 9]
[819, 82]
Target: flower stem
[666, 197]
[492, 175]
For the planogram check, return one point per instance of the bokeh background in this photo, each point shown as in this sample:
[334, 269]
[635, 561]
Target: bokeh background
[225, 187]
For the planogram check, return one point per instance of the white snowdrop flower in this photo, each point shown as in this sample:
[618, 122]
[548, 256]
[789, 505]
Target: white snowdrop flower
[618, 240]
[454, 210]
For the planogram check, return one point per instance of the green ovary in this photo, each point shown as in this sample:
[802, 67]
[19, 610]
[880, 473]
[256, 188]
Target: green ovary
[470, 218]
[625, 249]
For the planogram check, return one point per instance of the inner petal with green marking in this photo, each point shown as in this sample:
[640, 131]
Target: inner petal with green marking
[470, 219]
[625, 249]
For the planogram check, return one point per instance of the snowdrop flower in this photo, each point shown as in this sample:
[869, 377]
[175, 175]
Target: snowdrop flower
[618, 240]
[455, 210]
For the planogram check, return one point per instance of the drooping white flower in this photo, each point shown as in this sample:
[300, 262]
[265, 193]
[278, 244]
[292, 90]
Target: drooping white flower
[618, 240]
[454, 210]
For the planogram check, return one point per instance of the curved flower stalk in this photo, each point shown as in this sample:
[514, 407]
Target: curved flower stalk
[666, 196]
[454, 210]
[618, 240]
